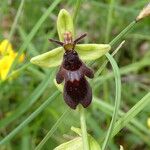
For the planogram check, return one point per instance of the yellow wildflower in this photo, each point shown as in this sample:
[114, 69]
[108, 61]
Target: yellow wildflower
[7, 56]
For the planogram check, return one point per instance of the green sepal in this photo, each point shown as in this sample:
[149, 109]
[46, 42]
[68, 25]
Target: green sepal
[54, 57]
[49, 59]
[92, 51]
[64, 23]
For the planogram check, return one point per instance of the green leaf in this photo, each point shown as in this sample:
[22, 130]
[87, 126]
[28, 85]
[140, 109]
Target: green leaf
[52, 58]
[93, 143]
[64, 23]
[129, 116]
[76, 143]
[22, 125]
[92, 51]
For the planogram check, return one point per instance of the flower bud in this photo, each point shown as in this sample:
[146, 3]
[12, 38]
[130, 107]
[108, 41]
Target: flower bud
[144, 13]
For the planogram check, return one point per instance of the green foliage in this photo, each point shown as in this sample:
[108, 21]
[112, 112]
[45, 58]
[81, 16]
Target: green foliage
[76, 143]
[32, 111]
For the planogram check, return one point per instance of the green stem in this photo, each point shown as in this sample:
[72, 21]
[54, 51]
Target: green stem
[52, 130]
[109, 21]
[117, 100]
[114, 41]
[33, 32]
[16, 20]
[81, 109]
[98, 72]
[29, 119]
[119, 36]
[14, 25]
[76, 10]
[83, 128]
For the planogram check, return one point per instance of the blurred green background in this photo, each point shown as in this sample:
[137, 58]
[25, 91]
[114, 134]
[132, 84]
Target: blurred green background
[92, 18]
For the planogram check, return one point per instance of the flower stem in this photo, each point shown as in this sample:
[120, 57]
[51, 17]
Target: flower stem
[119, 36]
[83, 129]
[14, 25]
[114, 41]
[76, 10]
[109, 21]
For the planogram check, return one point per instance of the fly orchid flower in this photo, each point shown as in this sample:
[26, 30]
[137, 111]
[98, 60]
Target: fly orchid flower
[72, 69]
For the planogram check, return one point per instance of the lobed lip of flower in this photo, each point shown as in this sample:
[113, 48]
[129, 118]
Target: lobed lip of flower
[86, 51]
[7, 56]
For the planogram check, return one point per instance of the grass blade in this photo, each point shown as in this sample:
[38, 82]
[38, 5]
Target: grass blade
[29, 119]
[14, 25]
[123, 121]
[117, 99]
[108, 109]
[52, 130]
[34, 31]
[27, 103]
[136, 127]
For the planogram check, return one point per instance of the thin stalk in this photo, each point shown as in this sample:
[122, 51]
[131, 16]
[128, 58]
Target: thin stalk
[76, 10]
[107, 34]
[33, 32]
[83, 129]
[135, 124]
[18, 71]
[98, 72]
[52, 130]
[28, 102]
[123, 33]
[29, 119]
[117, 100]
[109, 21]
[115, 40]
[124, 70]
[14, 25]
[81, 109]
[136, 109]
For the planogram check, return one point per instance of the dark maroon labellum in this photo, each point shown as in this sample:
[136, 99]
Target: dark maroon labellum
[73, 71]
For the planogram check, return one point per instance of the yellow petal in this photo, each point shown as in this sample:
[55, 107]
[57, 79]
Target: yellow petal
[5, 64]
[5, 46]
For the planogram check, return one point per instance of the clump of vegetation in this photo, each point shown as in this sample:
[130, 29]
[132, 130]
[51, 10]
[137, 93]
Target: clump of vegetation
[31, 103]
